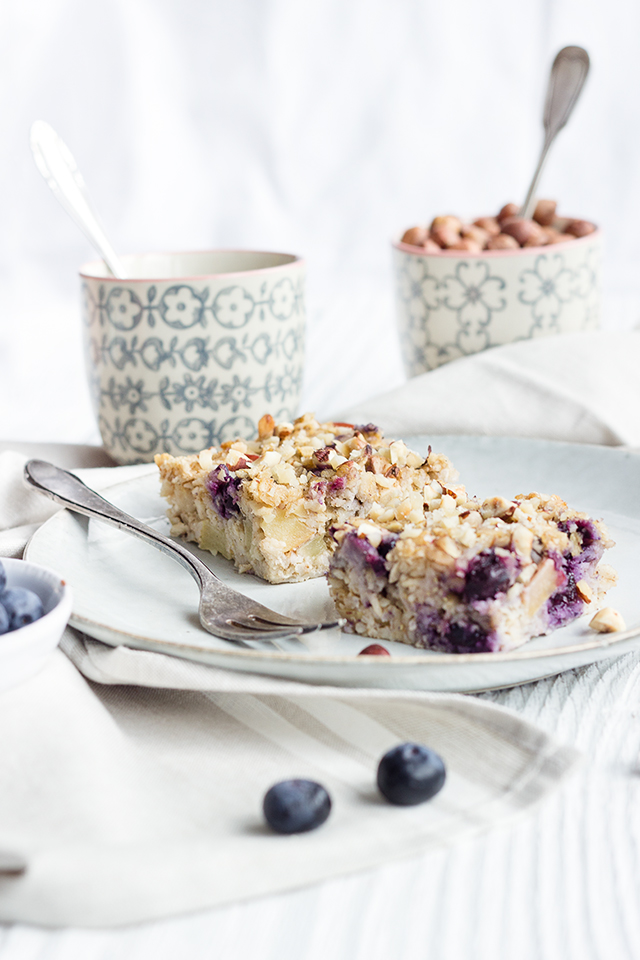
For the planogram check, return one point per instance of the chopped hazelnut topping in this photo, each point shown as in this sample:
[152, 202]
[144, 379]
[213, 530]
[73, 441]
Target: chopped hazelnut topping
[607, 620]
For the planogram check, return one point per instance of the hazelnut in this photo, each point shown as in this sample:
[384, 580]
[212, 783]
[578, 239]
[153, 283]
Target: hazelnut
[561, 223]
[503, 242]
[537, 240]
[430, 246]
[607, 620]
[450, 222]
[445, 231]
[545, 212]
[523, 231]
[580, 228]
[509, 210]
[554, 236]
[444, 237]
[466, 243]
[497, 507]
[416, 236]
[490, 224]
[474, 232]
[584, 591]
[266, 426]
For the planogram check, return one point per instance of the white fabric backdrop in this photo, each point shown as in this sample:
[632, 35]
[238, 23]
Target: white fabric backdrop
[318, 128]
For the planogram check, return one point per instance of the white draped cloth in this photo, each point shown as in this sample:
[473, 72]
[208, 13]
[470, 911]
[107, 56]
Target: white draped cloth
[151, 770]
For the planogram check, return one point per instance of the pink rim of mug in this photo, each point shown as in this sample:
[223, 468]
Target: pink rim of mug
[92, 264]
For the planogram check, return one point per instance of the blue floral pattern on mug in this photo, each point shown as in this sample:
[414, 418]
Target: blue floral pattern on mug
[449, 307]
[182, 307]
[546, 288]
[123, 309]
[179, 366]
[233, 307]
[473, 293]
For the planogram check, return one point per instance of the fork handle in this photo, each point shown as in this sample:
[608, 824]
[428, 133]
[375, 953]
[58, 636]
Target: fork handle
[69, 491]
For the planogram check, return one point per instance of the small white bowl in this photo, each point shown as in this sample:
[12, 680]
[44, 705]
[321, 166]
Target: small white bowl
[24, 652]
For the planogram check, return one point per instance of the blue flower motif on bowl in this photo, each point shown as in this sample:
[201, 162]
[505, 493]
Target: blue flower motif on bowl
[194, 354]
[123, 309]
[233, 307]
[153, 354]
[120, 353]
[194, 392]
[238, 393]
[474, 294]
[140, 435]
[192, 434]
[282, 301]
[261, 348]
[236, 427]
[225, 352]
[286, 385]
[132, 395]
[546, 288]
[419, 290]
[181, 307]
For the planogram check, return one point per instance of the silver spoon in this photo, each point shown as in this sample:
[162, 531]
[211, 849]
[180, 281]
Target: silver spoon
[56, 163]
[566, 80]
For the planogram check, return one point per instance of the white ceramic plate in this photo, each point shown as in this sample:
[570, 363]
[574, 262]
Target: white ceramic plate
[127, 592]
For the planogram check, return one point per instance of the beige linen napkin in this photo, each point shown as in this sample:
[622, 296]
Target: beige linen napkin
[133, 782]
[132, 803]
[580, 387]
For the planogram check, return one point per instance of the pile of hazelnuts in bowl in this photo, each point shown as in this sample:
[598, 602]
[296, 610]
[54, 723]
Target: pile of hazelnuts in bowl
[507, 231]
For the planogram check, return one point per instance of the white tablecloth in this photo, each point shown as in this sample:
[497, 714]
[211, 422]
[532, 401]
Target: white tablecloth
[560, 885]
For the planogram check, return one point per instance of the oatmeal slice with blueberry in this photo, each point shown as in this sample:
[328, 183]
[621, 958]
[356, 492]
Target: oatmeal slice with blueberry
[472, 576]
[269, 504]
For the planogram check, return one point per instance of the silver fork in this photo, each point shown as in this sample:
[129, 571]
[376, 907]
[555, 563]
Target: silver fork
[223, 611]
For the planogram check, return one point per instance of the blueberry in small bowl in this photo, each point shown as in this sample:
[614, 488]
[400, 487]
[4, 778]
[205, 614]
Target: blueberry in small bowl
[35, 605]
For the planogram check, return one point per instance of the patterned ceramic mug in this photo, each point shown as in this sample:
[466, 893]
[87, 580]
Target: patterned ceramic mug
[451, 304]
[193, 348]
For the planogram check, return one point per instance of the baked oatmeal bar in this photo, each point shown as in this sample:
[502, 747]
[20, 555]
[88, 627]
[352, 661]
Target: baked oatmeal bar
[269, 504]
[471, 577]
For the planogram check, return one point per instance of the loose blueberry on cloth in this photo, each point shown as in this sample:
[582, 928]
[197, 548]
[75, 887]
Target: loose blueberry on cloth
[295, 806]
[410, 773]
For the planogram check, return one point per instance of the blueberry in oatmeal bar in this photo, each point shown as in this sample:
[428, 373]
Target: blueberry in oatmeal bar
[471, 576]
[269, 504]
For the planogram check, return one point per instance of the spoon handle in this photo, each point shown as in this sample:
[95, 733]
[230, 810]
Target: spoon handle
[566, 80]
[57, 165]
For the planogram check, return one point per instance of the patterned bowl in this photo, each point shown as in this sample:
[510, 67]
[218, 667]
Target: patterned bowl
[451, 304]
[193, 349]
